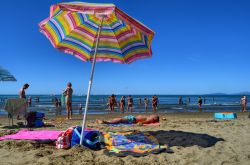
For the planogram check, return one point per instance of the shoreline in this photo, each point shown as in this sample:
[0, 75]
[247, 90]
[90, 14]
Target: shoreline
[92, 117]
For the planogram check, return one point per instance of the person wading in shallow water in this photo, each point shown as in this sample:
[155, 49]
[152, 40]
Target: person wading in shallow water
[154, 103]
[112, 103]
[130, 104]
[200, 103]
[122, 104]
[243, 102]
[146, 104]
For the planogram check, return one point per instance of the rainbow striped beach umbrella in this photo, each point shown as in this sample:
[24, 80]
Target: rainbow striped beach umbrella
[96, 32]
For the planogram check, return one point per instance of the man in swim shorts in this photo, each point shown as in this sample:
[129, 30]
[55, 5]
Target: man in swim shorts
[139, 119]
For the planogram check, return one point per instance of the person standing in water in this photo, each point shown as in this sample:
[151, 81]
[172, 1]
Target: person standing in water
[180, 100]
[122, 104]
[130, 104]
[154, 103]
[112, 103]
[188, 100]
[139, 101]
[243, 102]
[68, 100]
[80, 109]
[199, 103]
[146, 104]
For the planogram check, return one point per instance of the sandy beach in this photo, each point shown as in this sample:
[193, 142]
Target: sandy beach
[195, 138]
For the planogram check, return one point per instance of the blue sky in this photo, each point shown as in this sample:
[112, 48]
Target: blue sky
[199, 47]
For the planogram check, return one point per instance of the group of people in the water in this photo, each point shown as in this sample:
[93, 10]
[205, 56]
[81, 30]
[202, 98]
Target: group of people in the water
[112, 103]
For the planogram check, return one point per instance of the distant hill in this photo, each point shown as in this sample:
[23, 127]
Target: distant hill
[220, 94]
[242, 93]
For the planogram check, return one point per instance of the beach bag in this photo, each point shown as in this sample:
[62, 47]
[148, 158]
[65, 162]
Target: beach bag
[91, 138]
[35, 119]
[30, 118]
[38, 123]
[40, 115]
[64, 139]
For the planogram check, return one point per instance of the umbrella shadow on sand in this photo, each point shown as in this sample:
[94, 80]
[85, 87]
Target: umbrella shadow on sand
[184, 139]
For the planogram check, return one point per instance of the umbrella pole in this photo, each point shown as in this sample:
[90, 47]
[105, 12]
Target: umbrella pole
[90, 81]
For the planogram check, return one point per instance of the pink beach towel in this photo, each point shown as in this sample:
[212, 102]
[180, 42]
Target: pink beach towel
[33, 135]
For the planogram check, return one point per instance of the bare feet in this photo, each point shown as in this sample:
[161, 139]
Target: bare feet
[164, 118]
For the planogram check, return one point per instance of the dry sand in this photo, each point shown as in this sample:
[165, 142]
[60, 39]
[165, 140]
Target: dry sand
[195, 138]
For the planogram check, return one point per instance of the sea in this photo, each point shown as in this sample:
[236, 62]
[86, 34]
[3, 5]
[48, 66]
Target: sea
[166, 104]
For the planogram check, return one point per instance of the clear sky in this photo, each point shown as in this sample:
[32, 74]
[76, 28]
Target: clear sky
[200, 47]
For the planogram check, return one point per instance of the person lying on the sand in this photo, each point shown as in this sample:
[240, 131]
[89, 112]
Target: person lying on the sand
[139, 119]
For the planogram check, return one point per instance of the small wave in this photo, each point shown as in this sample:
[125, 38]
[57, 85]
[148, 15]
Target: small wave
[177, 108]
[45, 106]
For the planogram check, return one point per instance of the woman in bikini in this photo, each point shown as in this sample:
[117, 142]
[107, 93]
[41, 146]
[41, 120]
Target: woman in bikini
[130, 103]
[68, 100]
[112, 102]
[122, 104]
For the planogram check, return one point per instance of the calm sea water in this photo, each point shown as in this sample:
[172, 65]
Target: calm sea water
[167, 103]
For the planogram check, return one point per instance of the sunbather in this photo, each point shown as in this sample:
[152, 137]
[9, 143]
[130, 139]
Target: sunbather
[139, 119]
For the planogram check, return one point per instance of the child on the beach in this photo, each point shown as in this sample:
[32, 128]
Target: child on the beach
[139, 119]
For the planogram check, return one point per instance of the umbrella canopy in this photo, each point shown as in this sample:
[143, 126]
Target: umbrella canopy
[5, 75]
[96, 32]
[73, 28]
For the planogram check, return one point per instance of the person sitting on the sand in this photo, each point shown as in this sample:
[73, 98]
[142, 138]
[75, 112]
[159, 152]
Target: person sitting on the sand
[139, 119]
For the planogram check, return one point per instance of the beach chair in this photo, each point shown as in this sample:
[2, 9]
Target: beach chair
[15, 107]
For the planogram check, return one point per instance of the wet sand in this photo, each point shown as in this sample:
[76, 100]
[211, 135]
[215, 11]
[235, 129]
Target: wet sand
[195, 138]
